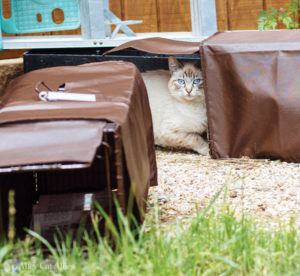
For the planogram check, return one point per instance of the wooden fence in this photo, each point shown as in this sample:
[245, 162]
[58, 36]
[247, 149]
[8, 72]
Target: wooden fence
[157, 15]
[174, 15]
[242, 14]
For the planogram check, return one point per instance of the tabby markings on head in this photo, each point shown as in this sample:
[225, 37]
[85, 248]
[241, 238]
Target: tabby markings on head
[186, 82]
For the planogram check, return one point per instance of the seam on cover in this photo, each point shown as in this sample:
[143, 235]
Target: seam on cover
[209, 129]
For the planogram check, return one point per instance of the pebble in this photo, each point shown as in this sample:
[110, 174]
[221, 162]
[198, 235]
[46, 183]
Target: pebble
[185, 178]
[233, 194]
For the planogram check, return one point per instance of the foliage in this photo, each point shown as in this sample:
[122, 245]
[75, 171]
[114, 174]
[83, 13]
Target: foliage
[209, 244]
[268, 20]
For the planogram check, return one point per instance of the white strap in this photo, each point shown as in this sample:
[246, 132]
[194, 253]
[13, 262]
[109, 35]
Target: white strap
[62, 96]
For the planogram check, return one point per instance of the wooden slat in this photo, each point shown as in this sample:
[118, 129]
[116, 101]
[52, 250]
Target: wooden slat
[6, 9]
[116, 7]
[69, 32]
[243, 14]
[11, 54]
[145, 10]
[276, 3]
[174, 16]
[222, 15]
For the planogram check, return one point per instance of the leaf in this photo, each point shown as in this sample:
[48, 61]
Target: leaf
[4, 251]
[227, 261]
[274, 25]
[263, 15]
[287, 21]
[274, 11]
[44, 241]
[261, 25]
[294, 5]
[269, 19]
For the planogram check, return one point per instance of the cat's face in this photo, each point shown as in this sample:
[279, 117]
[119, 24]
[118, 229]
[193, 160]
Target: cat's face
[186, 82]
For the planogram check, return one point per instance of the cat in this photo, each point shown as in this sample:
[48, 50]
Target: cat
[177, 104]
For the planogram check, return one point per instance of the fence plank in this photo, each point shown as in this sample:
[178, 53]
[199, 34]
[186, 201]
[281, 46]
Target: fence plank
[222, 15]
[11, 54]
[145, 10]
[6, 9]
[116, 7]
[174, 16]
[276, 3]
[243, 14]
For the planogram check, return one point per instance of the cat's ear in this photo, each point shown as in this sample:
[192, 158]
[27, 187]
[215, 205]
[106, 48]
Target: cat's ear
[174, 64]
[198, 65]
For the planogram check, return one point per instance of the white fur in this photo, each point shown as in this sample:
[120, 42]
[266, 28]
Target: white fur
[177, 122]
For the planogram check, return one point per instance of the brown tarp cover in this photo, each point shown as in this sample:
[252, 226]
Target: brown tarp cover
[252, 85]
[157, 45]
[121, 98]
[53, 142]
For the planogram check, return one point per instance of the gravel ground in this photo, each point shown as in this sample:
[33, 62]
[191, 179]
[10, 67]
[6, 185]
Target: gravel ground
[267, 190]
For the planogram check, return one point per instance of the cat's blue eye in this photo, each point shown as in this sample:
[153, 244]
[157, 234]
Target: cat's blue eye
[181, 81]
[196, 81]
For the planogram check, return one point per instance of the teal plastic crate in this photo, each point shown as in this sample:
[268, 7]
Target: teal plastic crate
[26, 14]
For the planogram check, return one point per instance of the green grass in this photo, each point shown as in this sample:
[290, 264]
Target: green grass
[209, 244]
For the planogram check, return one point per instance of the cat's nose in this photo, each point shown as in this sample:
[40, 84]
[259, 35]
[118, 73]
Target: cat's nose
[189, 91]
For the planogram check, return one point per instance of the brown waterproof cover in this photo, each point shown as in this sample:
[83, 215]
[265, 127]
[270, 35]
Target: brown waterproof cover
[53, 142]
[121, 98]
[158, 45]
[252, 85]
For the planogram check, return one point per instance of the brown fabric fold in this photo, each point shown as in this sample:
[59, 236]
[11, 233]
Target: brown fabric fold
[50, 142]
[121, 98]
[158, 45]
[252, 93]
